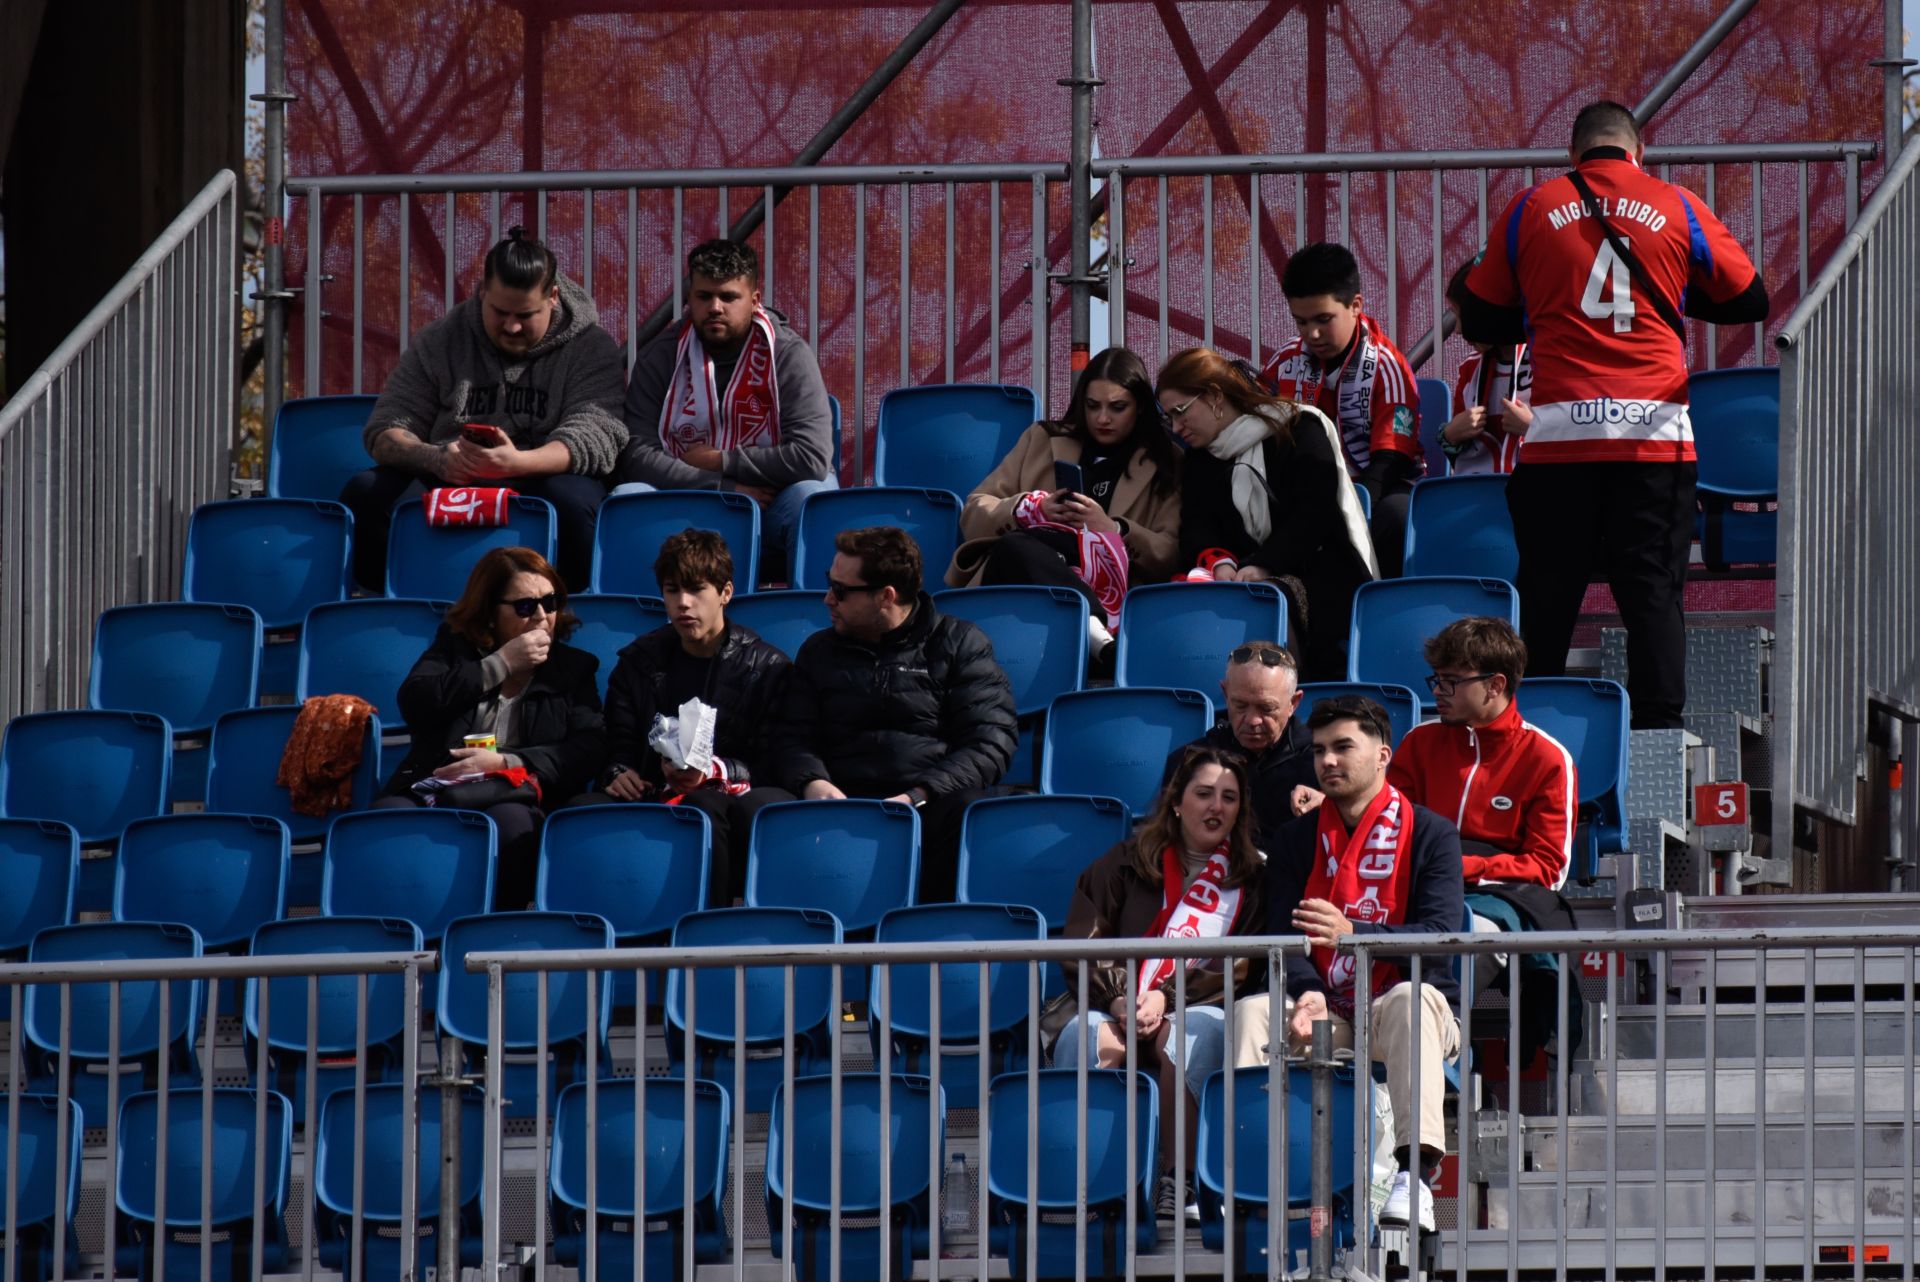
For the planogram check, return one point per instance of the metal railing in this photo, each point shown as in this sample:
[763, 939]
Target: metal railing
[109, 446]
[1847, 595]
[993, 234]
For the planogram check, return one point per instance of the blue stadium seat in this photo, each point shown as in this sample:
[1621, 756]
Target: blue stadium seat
[463, 999]
[426, 866]
[1115, 742]
[642, 867]
[39, 1208]
[237, 1144]
[1436, 407]
[1402, 704]
[1590, 719]
[335, 1033]
[853, 858]
[908, 1003]
[247, 747]
[663, 1215]
[1035, 848]
[1178, 635]
[1460, 525]
[902, 1137]
[434, 562]
[95, 771]
[1039, 637]
[280, 557]
[632, 527]
[764, 1028]
[1736, 435]
[142, 1039]
[367, 646]
[39, 872]
[930, 516]
[609, 623]
[1054, 1131]
[223, 875]
[783, 619]
[1392, 619]
[948, 436]
[317, 446]
[383, 1129]
[1252, 1190]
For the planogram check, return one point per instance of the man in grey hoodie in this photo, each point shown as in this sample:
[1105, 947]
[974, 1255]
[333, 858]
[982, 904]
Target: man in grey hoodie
[706, 409]
[517, 386]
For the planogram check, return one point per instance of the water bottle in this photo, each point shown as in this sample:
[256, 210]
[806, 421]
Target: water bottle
[956, 1197]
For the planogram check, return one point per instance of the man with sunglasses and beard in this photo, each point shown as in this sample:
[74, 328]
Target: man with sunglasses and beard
[895, 700]
[1262, 692]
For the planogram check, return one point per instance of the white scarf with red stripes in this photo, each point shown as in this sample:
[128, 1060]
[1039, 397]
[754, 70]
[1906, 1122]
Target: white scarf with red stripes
[745, 412]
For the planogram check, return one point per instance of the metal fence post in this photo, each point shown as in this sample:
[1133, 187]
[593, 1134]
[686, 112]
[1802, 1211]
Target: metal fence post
[1320, 1216]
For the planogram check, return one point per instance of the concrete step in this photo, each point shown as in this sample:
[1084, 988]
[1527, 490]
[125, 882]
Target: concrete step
[1886, 1028]
[1881, 1141]
[1839, 1087]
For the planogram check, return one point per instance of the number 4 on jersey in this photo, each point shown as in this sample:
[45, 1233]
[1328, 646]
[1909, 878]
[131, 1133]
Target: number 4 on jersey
[1609, 272]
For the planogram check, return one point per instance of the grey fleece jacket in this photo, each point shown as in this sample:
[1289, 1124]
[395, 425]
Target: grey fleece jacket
[566, 388]
[803, 450]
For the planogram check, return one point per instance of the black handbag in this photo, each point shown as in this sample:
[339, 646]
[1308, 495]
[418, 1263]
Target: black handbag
[478, 794]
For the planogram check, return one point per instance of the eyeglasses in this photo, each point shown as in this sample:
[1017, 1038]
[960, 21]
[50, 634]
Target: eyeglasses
[1447, 685]
[1271, 656]
[841, 591]
[1178, 412]
[526, 605]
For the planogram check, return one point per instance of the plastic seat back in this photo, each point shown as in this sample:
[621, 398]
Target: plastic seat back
[784, 619]
[39, 872]
[1402, 704]
[463, 994]
[318, 446]
[1035, 847]
[188, 663]
[434, 562]
[931, 517]
[1460, 525]
[1039, 637]
[713, 999]
[631, 528]
[1253, 1133]
[642, 867]
[31, 1157]
[948, 436]
[97, 771]
[231, 1161]
[90, 1020]
[426, 866]
[1736, 430]
[1179, 634]
[853, 858]
[223, 875]
[335, 1031]
[280, 557]
[899, 1137]
[610, 623]
[245, 764]
[1436, 407]
[909, 1005]
[366, 647]
[1115, 742]
[1590, 719]
[1055, 1128]
[662, 1167]
[384, 1133]
[1392, 619]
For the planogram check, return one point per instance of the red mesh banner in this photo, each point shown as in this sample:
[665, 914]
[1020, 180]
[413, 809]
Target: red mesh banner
[474, 86]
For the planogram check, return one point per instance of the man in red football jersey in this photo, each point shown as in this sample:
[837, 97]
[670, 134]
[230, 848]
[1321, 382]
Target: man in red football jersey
[1594, 270]
[1344, 365]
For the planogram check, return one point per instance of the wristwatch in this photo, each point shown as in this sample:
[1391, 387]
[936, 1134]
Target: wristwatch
[918, 796]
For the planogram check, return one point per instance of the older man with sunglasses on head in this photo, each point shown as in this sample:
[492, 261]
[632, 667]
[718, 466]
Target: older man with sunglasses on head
[895, 700]
[1262, 692]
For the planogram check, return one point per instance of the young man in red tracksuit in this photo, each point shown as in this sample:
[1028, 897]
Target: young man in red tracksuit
[1606, 477]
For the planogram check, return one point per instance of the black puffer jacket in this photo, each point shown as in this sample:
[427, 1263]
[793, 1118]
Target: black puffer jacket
[561, 734]
[926, 706]
[743, 684]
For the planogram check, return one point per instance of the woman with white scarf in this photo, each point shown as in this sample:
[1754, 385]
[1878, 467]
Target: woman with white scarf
[1265, 497]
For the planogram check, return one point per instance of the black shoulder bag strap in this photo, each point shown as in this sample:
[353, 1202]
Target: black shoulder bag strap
[1661, 303]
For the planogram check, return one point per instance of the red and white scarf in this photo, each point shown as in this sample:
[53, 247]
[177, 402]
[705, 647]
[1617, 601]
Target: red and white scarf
[1206, 910]
[1104, 563]
[1366, 874]
[745, 412]
[468, 505]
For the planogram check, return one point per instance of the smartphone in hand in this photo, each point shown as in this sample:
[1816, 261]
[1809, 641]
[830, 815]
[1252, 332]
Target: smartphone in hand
[1068, 476]
[484, 435]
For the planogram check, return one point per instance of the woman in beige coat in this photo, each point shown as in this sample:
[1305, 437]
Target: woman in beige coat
[1121, 528]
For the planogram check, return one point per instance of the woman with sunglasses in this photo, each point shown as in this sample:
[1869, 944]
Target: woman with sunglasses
[1191, 870]
[1117, 527]
[498, 671]
[1265, 498]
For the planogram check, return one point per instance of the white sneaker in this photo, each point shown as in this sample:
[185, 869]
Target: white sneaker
[1398, 1196]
